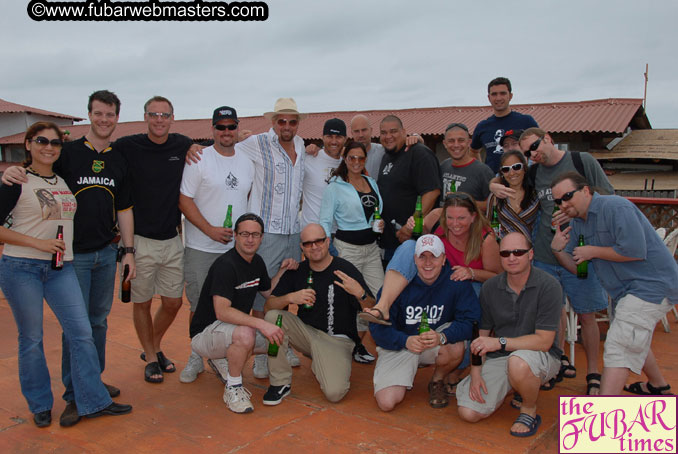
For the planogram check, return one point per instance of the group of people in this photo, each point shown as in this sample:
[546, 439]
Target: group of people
[254, 205]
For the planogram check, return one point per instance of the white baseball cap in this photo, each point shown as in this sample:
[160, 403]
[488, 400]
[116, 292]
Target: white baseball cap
[430, 243]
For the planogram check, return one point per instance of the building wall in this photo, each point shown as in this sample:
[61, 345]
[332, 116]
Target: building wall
[13, 123]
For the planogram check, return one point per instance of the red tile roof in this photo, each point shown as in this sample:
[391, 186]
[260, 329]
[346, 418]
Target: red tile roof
[10, 107]
[612, 115]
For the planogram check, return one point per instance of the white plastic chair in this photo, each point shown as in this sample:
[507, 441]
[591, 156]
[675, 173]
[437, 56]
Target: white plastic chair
[671, 241]
[571, 328]
[661, 231]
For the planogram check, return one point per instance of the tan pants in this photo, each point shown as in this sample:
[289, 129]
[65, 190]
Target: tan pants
[331, 356]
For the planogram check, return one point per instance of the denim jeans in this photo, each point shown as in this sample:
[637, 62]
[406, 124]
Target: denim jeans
[96, 275]
[25, 282]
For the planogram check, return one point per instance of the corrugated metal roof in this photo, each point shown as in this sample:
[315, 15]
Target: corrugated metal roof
[612, 115]
[10, 107]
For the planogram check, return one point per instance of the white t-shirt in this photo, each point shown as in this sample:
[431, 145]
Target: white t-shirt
[214, 183]
[373, 162]
[316, 172]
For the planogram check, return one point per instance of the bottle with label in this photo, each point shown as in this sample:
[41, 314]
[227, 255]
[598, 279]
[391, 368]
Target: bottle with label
[273, 347]
[418, 220]
[58, 256]
[476, 360]
[228, 222]
[126, 293]
[377, 226]
[583, 267]
[423, 324]
[554, 224]
[309, 285]
[494, 223]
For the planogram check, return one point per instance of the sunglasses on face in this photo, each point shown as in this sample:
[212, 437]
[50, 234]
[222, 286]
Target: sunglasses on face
[518, 166]
[163, 115]
[533, 147]
[566, 197]
[319, 242]
[225, 127]
[516, 252]
[283, 122]
[44, 141]
[355, 158]
[254, 235]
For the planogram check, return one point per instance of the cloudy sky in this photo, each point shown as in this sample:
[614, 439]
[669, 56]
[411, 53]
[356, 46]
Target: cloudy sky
[350, 54]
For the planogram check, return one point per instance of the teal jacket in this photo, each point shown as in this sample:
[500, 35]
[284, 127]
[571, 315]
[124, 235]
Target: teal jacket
[341, 204]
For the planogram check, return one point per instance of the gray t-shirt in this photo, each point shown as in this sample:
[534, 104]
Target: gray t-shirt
[545, 175]
[472, 178]
[537, 307]
[374, 155]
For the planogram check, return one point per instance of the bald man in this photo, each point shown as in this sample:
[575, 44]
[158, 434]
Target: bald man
[361, 131]
[324, 327]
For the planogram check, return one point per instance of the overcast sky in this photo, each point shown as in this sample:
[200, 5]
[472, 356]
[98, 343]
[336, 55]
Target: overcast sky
[350, 55]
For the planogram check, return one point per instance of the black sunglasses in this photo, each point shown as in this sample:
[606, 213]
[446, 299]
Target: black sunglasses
[566, 197]
[517, 167]
[225, 127]
[42, 140]
[317, 242]
[516, 252]
[533, 147]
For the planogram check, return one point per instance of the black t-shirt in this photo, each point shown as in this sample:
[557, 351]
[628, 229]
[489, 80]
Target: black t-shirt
[403, 176]
[156, 171]
[9, 196]
[232, 277]
[101, 186]
[334, 310]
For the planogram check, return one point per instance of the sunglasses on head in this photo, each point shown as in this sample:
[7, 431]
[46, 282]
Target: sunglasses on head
[225, 127]
[566, 197]
[533, 147]
[518, 166]
[283, 122]
[319, 242]
[41, 140]
[516, 252]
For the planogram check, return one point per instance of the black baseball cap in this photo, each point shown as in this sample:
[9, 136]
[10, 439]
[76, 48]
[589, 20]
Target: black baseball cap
[334, 126]
[224, 113]
[511, 134]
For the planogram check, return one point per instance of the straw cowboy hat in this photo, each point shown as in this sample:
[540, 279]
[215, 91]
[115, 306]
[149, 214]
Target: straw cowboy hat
[284, 106]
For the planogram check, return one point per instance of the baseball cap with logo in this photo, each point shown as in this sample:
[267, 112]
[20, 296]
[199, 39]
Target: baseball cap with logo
[224, 113]
[511, 134]
[334, 126]
[430, 243]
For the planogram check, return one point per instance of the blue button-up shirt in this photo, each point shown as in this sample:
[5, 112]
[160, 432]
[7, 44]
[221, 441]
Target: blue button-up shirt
[613, 221]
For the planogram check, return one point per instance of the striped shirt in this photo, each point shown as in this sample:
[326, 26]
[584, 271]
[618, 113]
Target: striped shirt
[510, 221]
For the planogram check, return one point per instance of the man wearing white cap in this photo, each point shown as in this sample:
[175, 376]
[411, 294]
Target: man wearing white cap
[278, 156]
[451, 307]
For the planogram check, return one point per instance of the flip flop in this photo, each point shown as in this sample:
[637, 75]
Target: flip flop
[165, 363]
[153, 369]
[637, 388]
[379, 319]
[529, 422]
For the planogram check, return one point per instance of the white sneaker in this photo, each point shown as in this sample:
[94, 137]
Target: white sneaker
[292, 358]
[220, 368]
[194, 366]
[238, 399]
[260, 366]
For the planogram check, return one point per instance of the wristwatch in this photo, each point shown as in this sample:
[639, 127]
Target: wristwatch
[502, 343]
[364, 297]
[130, 250]
[443, 339]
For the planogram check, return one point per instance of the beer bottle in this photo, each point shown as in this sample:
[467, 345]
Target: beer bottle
[273, 347]
[376, 223]
[423, 324]
[309, 285]
[554, 225]
[453, 186]
[494, 223]
[58, 256]
[476, 360]
[583, 267]
[126, 295]
[228, 222]
[418, 220]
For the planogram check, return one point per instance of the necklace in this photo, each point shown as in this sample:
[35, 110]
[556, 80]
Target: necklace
[44, 178]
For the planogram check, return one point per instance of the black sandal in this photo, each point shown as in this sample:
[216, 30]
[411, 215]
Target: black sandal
[549, 385]
[153, 369]
[517, 401]
[565, 367]
[165, 363]
[591, 384]
[637, 388]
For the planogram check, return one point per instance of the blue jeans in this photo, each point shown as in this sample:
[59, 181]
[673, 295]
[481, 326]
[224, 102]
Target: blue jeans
[25, 282]
[586, 295]
[96, 275]
[403, 262]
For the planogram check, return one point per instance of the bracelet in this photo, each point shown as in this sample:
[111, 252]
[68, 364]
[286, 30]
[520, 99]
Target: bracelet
[556, 250]
[473, 275]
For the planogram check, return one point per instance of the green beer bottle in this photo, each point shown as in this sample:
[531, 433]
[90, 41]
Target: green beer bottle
[453, 186]
[309, 285]
[554, 225]
[496, 226]
[228, 222]
[423, 324]
[583, 267]
[273, 348]
[418, 220]
[376, 223]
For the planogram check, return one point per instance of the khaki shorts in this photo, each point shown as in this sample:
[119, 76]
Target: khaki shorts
[495, 374]
[160, 268]
[630, 336]
[214, 340]
[398, 367]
